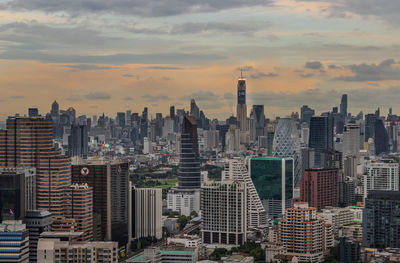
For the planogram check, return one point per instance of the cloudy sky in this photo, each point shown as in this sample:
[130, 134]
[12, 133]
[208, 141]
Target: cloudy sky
[113, 55]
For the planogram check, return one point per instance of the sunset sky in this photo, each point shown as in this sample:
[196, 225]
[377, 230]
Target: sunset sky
[113, 55]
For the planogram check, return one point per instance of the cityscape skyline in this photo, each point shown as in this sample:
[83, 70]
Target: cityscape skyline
[121, 55]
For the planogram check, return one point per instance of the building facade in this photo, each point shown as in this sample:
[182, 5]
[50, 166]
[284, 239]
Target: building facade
[224, 212]
[14, 242]
[303, 234]
[146, 212]
[273, 181]
[319, 188]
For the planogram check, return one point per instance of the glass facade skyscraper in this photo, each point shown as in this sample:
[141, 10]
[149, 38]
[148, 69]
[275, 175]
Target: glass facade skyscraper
[321, 136]
[189, 169]
[273, 180]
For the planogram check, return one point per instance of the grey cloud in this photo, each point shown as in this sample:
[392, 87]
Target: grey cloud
[127, 75]
[128, 98]
[313, 65]
[16, 97]
[163, 68]
[386, 70]
[229, 96]
[202, 96]
[39, 35]
[132, 7]
[308, 75]
[245, 68]
[260, 75]
[116, 59]
[87, 67]
[154, 98]
[98, 96]
[220, 27]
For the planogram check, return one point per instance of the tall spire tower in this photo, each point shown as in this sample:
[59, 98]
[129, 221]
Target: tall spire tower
[241, 108]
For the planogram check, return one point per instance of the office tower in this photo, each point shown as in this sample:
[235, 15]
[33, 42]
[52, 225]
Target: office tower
[109, 180]
[306, 113]
[321, 136]
[210, 139]
[319, 188]
[14, 241]
[121, 119]
[128, 118]
[241, 108]
[232, 140]
[78, 141]
[331, 159]
[63, 224]
[381, 220]
[347, 188]
[349, 251]
[370, 120]
[287, 145]
[168, 127]
[380, 175]
[303, 234]
[55, 111]
[36, 222]
[57, 250]
[304, 133]
[194, 109]
[146, 212]
[351, 140]
[189, 167]
[223, 129]
[273, 180]
[172, 112]
[224, 212]
[350, 166]
[381, 138]
[186, 197]
[259, 121]
[343, 105]
[80, 207]
[236, 170]
[33, 112]
[28, 142]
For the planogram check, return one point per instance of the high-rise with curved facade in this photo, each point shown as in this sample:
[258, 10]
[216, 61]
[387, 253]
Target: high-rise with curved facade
[287, 144]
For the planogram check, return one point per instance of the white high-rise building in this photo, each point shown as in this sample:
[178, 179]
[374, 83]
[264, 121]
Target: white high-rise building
[224, 212]
[236, 170]
[183, 201]
[146, 212]
[380, 175]
[168, 127]
[351, 140]
[232, 140]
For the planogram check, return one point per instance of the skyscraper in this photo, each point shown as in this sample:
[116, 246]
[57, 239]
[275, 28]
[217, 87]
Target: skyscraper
[381, 138]
[273, 180]
[381, 219]
[286, 144]
[236, 170]
[29, 142]
[14, 240]
[224, 212]
[370, 120]
[109, 180]
[351, 140]
[80, 208]
[321, 136]
[33, 112]
[12, 199]
[258, 121]
[194, 109]
[146, 212]
[78, 141]
[319, 188]
[306, 114]
[241, 109]
[189, 167]
[343, 105]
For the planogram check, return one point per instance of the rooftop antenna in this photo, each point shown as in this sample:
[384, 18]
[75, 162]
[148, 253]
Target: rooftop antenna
[241, 73]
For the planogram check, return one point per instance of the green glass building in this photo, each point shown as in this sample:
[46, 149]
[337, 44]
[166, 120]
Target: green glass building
[273, 180]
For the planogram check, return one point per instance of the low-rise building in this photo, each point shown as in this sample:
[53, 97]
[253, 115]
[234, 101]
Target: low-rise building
[337, 217]
[155, 255]
[54, 250]
[187, 241]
